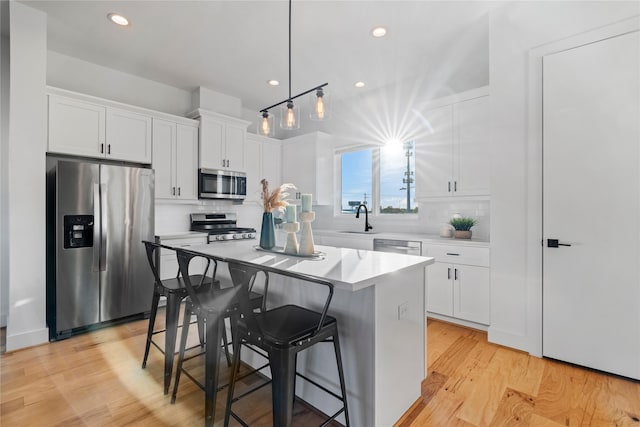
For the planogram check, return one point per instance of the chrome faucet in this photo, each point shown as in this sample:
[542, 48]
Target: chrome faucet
[367, 226]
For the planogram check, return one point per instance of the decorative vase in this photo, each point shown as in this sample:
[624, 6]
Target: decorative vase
[267, 232]
[462, 234]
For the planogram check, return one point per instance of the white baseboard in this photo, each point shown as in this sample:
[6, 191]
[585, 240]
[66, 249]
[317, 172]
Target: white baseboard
[508, 339]
[27, 339]
[460, 322]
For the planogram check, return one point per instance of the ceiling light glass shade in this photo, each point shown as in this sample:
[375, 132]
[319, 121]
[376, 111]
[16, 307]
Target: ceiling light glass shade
[266, 124]
[320, 107]
[289, 116]
[118, 19]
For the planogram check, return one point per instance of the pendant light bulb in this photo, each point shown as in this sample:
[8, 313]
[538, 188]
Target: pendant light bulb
[265, 128]
[320, 104]
[291, 117]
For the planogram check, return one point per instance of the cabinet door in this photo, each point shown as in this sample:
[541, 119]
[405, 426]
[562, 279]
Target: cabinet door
[271, 162]
[434, 155]
[253, 167]
[299, 167]
[186, 159]
[471, 293]
[164, 134]
[76, 127]
[439, 288]
[472, 147]
[234, 147]
[128, 136]
[211, 144]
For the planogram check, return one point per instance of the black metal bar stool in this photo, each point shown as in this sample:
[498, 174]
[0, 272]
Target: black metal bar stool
[212, 308]
[282, 333]
[175, 291]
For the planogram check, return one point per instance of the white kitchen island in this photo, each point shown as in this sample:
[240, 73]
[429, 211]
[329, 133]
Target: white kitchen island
[379, 303]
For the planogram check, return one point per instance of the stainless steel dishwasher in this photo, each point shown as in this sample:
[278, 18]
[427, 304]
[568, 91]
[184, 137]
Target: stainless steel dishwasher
[407, 247]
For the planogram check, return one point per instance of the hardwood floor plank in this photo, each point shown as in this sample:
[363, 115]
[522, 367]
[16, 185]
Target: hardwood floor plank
[515, 409]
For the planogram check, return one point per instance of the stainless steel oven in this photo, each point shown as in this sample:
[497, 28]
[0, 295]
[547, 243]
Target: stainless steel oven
[221, 184]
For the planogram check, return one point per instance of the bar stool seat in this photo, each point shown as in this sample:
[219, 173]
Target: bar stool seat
[174, 291]
[282, 333]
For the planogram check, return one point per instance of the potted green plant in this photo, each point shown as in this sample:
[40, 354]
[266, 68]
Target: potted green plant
[462, 227]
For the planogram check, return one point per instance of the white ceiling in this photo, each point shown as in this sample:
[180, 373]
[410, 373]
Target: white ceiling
[234, 47]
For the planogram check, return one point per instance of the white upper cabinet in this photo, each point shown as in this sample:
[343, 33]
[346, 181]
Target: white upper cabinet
[85, 126]
[472, 150]
[262, 160]
[307, 162]
[222, 141]
[175, 160]
[76, 127]
[452, 159]
[128, 136]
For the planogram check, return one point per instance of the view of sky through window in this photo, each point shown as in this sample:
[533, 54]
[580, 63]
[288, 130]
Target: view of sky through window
[397, 179]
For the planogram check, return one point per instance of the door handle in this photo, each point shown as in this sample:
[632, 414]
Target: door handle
[455, 274]
[178, 191]
[97, 225]
[449, 189]
[554, 243]
[104, 218]
[449, 273]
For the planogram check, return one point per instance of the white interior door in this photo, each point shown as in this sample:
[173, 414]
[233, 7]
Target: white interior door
[591, 201]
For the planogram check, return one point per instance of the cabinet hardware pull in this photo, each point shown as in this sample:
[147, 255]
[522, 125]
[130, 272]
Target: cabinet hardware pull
[449, 273]
[222, 162]
[101, 148]
[108, 148]
[449, 190]
[173, 191]
[455, 274]
[554, 243]
[178, 191]
[455, 185]
[451, 253]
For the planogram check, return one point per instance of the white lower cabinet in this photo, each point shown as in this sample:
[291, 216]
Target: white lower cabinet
[459, 289]
[169, 261]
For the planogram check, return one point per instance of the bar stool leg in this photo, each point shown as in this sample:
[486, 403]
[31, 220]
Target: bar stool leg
[183, 344]
[173, 312]
[283, 373]
[234, 375]
[211, 358]
[343, 388]
[152, 322]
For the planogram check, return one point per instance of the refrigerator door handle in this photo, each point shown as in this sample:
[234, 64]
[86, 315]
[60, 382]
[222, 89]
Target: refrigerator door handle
[95, 265]
[103, 227]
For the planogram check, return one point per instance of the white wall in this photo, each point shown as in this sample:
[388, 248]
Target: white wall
[515, 29]
[26, 324]
[4, 174]
[85, 77]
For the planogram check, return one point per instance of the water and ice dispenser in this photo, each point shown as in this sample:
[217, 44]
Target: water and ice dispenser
[78, 231]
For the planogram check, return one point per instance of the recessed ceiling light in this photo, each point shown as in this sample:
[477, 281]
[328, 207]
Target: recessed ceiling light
[379, 32]
[359, 84]
[118, 19]
[273, 82]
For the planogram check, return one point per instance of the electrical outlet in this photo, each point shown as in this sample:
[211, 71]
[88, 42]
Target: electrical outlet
[403, 309]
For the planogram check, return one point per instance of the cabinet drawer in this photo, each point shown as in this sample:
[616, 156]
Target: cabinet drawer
[458, 254]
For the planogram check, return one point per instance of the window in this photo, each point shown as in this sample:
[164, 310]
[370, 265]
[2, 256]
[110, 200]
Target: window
[382, 178]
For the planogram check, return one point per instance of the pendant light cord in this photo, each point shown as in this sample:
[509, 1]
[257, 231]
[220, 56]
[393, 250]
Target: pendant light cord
[289, 50]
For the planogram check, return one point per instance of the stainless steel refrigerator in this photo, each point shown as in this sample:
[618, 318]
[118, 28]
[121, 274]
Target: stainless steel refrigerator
[97, 270]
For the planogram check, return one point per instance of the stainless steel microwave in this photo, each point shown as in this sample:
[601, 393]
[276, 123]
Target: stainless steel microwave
[221, 184]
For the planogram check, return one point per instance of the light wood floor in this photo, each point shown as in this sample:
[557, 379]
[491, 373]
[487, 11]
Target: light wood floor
[95, 379]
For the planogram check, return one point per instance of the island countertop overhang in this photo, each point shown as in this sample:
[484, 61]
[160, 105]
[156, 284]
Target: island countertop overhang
[348, 269]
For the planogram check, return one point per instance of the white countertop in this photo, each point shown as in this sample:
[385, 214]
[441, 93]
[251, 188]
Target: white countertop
[425, 238]
[349, 269]
[181, 235]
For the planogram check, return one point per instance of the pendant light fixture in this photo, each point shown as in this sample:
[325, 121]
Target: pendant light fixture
[289, 112]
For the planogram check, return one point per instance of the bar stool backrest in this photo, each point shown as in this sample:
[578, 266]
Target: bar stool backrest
[151, 249]
[243, 274]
